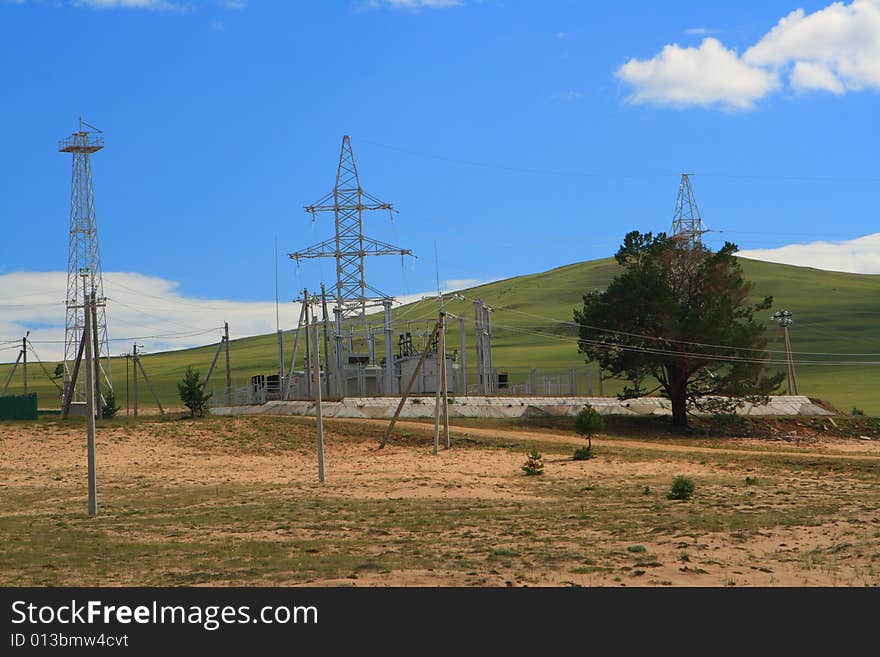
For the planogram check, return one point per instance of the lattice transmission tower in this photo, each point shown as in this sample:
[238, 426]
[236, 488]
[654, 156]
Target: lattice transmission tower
[348, 202]
[687, 225]
[83, 256]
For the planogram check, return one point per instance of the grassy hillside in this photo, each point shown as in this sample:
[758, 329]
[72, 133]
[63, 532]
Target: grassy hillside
[834, 313]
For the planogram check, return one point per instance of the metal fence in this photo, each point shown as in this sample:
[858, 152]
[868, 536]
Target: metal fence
[364, 383]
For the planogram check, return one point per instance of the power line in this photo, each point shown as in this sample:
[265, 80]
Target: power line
[685, 342]
[606, 174]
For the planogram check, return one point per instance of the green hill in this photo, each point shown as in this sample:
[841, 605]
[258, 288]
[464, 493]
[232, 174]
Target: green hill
[834, 313]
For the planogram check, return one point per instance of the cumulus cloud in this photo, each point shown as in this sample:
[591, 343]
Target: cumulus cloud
[857, 256]
[807, 76]
[708, 75]
[149, 308]
[835, 49]
[841, 40]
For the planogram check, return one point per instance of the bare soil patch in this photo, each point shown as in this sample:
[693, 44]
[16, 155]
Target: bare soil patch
[236, 501]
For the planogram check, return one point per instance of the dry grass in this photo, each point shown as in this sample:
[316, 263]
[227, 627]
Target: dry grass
[235, 501]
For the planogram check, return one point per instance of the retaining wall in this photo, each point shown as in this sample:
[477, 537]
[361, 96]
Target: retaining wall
[506, 407]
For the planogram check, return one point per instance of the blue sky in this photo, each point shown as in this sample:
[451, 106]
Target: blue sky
[517, 136]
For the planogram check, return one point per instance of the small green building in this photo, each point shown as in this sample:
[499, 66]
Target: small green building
[18, 407]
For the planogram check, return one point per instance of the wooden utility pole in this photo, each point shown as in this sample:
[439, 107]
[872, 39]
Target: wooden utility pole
[319, 418]
[90, 400]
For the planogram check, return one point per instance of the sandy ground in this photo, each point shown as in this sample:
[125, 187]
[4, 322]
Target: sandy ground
[50, 459]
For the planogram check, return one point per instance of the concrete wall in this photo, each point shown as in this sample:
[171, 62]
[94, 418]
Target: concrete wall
[501, 407]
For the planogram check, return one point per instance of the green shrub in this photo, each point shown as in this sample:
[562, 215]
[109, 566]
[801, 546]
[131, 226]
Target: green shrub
[751, 481]
[635, 549]
[588, 423]
[682, 488]
[582, 454]
[192, 392]
[109, 407]
[533, 465]
[857, 411]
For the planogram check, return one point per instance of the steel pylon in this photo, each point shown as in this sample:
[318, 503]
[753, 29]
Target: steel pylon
[348, 202]
[83, 256]
[687, 225]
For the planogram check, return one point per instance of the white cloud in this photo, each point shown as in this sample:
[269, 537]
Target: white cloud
[857, 256]
[835, 49]
[139, 307]
[808, 76]
[842, 39]
[710, 75]
[235, 4]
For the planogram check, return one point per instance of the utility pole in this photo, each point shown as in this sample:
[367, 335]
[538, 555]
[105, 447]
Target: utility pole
[389, 349]
[438, 379]
[443, 379]
[462, 370]
[24, 360]
[127, 358]
[134, 376]
[487, 352]
[228, 371]
[307, 363]
[319, 418]
[325, 316]
[409, 387]
[478, 345]
[89, 300]
[783, 317]
[299, 325]
[11, 373]
[278, 330]
[150, 387]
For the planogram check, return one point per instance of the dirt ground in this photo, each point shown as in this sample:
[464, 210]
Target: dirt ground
[236, 501]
